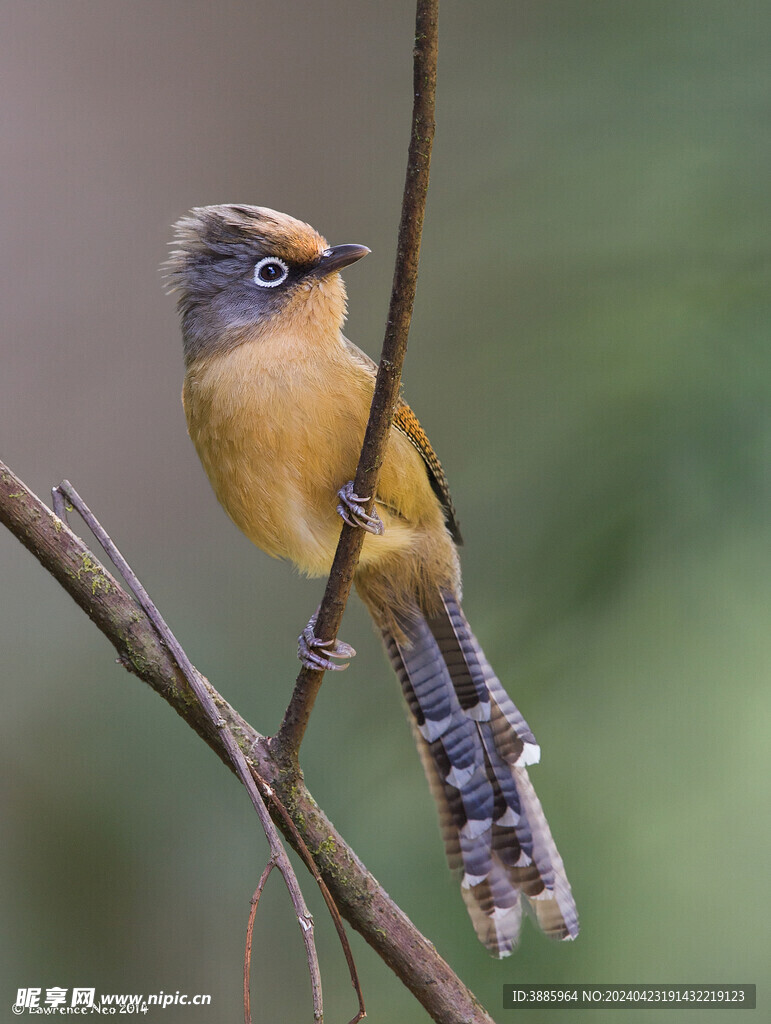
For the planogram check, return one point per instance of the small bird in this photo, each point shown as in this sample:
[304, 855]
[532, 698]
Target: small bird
[277, 402]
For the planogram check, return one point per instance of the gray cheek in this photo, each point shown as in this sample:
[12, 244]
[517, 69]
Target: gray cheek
[243, 306]
[214, 324]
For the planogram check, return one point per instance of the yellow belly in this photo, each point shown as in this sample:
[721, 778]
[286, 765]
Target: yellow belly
[278, 428]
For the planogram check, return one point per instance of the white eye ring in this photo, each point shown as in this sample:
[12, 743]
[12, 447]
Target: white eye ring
[266, 261]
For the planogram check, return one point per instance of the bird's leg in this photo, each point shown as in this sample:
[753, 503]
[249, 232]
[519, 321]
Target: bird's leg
[351, 509]
[313, 652]
[316, 654]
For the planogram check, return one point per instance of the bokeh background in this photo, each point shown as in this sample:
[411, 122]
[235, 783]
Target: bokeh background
[590, 355]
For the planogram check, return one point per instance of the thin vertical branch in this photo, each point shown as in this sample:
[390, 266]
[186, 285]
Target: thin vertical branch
[289, 737]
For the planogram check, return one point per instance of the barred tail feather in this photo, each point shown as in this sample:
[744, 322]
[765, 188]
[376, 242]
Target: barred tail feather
[475, 745]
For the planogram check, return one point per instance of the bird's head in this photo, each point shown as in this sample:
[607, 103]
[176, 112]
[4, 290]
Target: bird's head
[240, 272]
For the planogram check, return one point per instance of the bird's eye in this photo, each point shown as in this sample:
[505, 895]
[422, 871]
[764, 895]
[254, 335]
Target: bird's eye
[270, 272]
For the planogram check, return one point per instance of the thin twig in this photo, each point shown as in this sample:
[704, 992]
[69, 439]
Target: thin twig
[289, 737]
[253, 903]
[62, 495]
[305, 853]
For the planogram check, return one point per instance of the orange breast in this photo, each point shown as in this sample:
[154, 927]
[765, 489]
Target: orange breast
[278, 426]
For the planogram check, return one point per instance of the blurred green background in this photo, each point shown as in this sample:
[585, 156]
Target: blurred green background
[590, 355]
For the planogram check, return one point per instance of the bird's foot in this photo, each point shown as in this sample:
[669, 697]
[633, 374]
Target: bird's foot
[351, 510]
[317, 654]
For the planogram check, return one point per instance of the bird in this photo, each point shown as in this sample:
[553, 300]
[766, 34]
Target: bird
[277, 401]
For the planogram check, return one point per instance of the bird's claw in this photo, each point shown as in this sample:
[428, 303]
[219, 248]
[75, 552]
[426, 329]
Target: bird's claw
[351, 510]
[316, 654]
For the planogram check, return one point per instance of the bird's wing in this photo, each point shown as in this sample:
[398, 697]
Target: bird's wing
[407, 422]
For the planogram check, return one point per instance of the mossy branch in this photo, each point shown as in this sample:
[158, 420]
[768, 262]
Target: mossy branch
[358, 895]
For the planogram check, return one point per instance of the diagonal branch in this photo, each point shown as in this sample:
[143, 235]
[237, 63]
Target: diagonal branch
[361, 899]
[287, 742]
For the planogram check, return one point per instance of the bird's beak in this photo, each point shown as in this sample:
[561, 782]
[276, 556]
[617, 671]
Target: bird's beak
[337, 257]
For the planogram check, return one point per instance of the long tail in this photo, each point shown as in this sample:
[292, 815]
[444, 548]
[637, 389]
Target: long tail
[475, 745]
